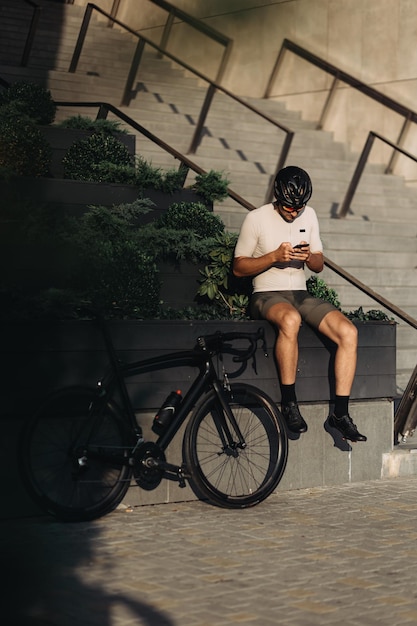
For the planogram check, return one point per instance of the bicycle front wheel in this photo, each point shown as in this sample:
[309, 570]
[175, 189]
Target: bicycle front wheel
[226, 472]
[65, 456]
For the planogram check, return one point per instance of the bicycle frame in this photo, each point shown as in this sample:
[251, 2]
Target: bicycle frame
[205, 379]
[83, 448]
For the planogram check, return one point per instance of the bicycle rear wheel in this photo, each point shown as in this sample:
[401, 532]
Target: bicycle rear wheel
[62, 460]
[235, 476]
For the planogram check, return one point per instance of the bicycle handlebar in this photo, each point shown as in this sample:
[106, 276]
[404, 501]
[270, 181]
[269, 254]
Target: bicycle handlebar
[216, 343]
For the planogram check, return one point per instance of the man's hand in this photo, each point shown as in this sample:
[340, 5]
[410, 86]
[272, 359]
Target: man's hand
[301, 252]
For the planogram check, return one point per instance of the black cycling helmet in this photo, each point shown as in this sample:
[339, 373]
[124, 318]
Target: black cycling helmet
[292, 187]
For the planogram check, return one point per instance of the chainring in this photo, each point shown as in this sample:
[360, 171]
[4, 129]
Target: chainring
[147, 478]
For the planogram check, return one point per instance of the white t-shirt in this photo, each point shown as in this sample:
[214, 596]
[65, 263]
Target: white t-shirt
[264, 230]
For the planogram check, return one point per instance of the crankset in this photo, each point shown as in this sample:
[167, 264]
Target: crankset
[146, 465]
[150, 467]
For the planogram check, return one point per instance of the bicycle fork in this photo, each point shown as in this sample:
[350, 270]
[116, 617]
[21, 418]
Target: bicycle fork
[224, 417]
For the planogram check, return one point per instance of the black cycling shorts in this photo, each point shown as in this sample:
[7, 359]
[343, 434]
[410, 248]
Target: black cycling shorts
[311, 309]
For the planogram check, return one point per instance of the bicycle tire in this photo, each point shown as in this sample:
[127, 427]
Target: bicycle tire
[243, 477]
[61, 481]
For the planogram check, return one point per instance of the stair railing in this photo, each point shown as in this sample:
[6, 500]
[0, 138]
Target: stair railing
[185, 164]
[205, 29]
[346, 204]
[199, 25]
[213, 86]
[339, 76]
[32, 31]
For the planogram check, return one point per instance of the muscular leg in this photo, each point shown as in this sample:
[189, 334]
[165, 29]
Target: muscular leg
[287, 319]
[345, 335]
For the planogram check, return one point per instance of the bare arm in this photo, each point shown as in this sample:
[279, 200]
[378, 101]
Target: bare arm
[250, 266]
[315, 262]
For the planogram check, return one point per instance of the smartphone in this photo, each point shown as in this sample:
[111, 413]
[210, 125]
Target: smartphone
[301, 245]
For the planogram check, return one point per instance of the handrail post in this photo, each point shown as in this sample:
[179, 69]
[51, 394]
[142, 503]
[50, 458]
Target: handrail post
[329, 100]
[127, 94]
[31, 35]
[81, 38]
[223, 64]
[201, 120]
[166, 32]
[183, 169]
[102, 113]
[281, 162]
[275, 70]
[356, 176]
[394, 155]
[113, 13]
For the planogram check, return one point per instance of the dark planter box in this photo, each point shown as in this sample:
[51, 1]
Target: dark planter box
[43, 356]
[72, 197]
[179, 284]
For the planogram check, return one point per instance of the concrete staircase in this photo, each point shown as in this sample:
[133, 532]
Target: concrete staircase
[376, 242]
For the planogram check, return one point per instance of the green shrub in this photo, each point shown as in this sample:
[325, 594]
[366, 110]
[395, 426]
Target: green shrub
[23, 149]
[317, 287]
[30, 99]
[106, 172]
[172, 245]
[172, 180]
[218, 283]
[80, 122]
[86, 159]
[112, 270]
[149, 177]
[211, 186]
[191, 216]
[367, 316]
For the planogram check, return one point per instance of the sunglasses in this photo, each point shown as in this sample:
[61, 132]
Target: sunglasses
[291, 210]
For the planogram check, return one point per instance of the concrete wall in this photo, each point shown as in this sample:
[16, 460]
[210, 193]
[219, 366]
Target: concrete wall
[315, 459]
[374, 40]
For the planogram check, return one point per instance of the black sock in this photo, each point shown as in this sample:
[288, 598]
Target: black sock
[288, 394]
[341, 406]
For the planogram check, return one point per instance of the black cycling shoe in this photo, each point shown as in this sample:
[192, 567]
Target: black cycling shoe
[293, 418]
[346, 426]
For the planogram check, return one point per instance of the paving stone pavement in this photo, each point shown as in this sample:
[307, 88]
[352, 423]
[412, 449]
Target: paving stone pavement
[344, 555]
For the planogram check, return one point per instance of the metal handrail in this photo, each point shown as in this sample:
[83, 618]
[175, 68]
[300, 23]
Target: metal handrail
[340, 76]
[213, 86]
[371, 293]
[345, 206]
[185, 163]
[32, 31]
[203, 28]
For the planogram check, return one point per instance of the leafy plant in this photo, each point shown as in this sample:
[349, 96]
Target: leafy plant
[23, 149]
[91, 159]
[317, 287]
[104, 126]
[367, 316]
[191, 216]
[30, 99]
[217, 280]
[113, 271]
[211, 186]
[149, 177]
[172, 245]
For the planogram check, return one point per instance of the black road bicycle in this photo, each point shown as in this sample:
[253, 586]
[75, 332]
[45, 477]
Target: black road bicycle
[83, 447]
